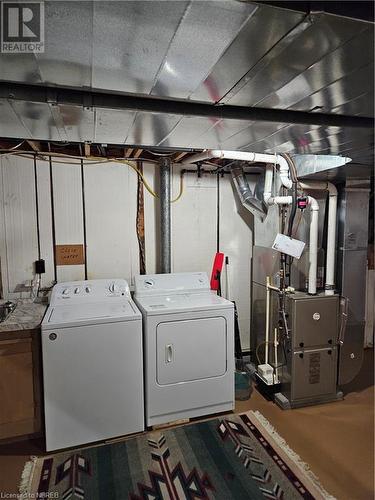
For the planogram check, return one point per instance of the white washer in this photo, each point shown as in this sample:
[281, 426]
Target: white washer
[92, 363]
[189, 347]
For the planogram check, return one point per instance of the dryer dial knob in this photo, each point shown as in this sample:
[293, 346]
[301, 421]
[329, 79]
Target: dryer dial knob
[113, 288]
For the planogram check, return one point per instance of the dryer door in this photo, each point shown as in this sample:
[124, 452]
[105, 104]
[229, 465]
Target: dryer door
[191, 349]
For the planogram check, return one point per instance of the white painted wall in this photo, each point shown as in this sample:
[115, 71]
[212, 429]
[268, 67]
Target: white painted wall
[111, 209]
[18, 222]
[110, 196]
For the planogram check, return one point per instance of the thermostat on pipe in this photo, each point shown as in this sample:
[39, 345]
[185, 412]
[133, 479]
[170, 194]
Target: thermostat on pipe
[290, 246]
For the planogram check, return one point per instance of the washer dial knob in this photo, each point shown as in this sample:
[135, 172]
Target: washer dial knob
[148, 283]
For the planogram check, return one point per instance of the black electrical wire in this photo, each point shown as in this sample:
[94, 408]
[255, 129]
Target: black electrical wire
[37, 207]
[84, 216]
[293, 209]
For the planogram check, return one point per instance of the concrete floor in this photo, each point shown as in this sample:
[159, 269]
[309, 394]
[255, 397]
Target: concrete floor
[336, 439]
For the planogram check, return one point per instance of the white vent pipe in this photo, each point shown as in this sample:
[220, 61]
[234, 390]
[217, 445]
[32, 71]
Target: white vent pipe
[277, 200]
[313, 245]
[331, 230]
[245, 156]
[313, 238]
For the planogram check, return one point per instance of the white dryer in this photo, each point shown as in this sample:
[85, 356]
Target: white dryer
[92, 363]
[189, 347]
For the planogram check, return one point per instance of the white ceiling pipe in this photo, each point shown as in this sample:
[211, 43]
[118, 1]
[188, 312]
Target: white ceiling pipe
[267, 193]
[245, 156]
[331, 230]
[277, 200]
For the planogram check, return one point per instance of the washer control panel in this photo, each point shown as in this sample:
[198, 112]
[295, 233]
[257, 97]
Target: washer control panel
[89, 291]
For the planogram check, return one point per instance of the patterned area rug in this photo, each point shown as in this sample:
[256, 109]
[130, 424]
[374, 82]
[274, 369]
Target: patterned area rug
[234, 457]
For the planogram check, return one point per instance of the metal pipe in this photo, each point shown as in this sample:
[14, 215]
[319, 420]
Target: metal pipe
[165, 215]
[152, 104]
[247, 198]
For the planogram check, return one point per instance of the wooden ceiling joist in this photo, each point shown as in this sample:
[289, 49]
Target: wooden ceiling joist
[179, 156]
[35, 145]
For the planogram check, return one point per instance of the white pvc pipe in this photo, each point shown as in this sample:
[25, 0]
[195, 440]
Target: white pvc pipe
[275, 344]
[268, 179]
[331, 230]
[280, 200]
[245, 156]
[268, 298]
[277, 200]
[313, 239]
[313, 245]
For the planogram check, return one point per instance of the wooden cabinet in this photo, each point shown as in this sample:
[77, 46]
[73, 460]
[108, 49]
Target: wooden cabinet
[20, 394]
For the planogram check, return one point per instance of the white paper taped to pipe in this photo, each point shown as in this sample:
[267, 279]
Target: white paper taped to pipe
[290, 246]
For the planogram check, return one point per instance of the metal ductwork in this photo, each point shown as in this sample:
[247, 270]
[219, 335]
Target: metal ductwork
[247, 197]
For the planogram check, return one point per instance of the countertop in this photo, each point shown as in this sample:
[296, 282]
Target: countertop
[27, 316]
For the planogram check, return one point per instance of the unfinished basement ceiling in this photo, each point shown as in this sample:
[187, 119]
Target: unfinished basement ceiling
[222, 52]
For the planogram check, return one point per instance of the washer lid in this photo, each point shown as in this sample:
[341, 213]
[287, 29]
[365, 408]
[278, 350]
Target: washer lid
[62, 316]
[182, 302]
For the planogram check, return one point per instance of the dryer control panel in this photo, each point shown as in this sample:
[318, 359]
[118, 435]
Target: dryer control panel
[89, 291]
[160, 284]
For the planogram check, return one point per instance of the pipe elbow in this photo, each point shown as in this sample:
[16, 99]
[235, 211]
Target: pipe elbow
[266, 198]
[216, 153]
[314, 205]
[284, 172]
[331, 188]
